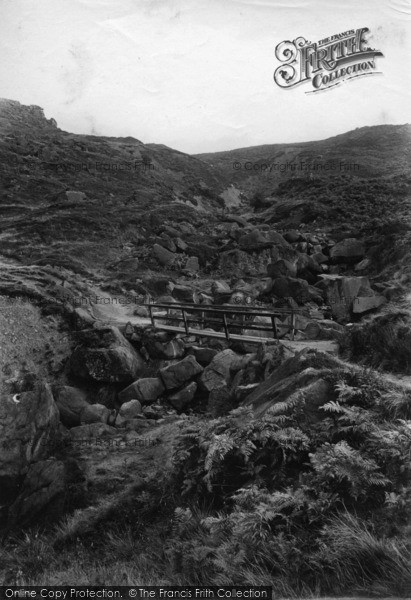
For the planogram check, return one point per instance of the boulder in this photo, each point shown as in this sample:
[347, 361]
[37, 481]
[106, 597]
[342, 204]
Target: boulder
[363, 304]
[130, 409]
[289, 287]
[218, 371]
[28, 430]
[182, 397]
[164, 256]
[146, 390]
[105, 355]
[340, 293]
[183, 293]
[174, 376]
[349, 250]
[71, 402]
[94, 413]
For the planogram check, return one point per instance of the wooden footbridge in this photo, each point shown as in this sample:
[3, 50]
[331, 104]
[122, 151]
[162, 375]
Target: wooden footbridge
[235, 323]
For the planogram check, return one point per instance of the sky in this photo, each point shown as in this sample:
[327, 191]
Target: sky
[197, 75]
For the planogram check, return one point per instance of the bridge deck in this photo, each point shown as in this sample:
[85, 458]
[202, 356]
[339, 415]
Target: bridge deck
[329, 346]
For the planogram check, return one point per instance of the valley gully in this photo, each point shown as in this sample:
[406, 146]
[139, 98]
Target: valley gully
[296, 166]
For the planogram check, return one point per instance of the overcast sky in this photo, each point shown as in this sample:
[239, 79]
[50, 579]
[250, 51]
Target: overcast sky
[197, 75]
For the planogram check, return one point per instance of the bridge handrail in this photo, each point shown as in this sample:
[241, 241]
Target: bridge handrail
[226, 312]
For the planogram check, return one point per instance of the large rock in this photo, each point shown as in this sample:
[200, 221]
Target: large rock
[71, 402]
[183, 397]
[179, 373]
[349, 250]
[105, 355]
[28, 430]
[219, 370]
[290, 287]
[366, 303]
[147, 390]
[164, 256]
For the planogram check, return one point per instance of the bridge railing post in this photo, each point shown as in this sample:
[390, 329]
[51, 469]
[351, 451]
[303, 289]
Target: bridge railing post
[227, 334]
[185, 320]
[274, 324]
[150, 312]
